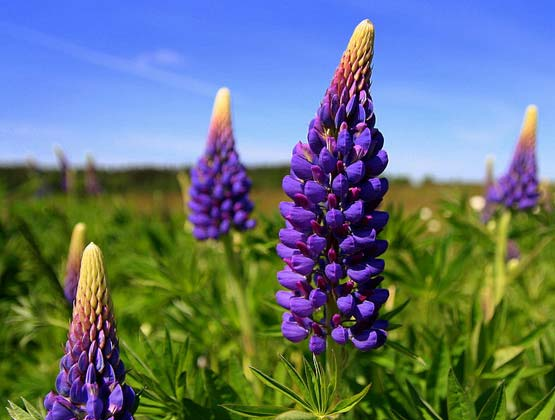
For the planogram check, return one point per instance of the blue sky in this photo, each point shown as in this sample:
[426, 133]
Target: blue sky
[133, 82]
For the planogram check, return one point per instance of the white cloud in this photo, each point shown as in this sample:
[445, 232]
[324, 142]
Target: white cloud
[134, 67]
[162, 57]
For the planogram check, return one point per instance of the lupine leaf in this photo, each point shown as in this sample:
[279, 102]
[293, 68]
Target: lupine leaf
[425, 410]
[296, 415]
[272, 383]
[403, 350]
[542, 410]
[495, 406]
[255, 410]
[459, 405]
[389, 315]
[348, 404]
[17, 413]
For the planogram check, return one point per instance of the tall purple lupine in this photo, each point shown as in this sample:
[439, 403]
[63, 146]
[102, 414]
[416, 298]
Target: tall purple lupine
[219, 193]
[92, 185]
[330, 243]
[66, 175]
[519, 187]
[91, 383]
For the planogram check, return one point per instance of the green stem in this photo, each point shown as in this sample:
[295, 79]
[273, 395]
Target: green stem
[237, 288]
[500, 265]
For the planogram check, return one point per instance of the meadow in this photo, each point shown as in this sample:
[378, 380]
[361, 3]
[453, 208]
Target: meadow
[471, 333]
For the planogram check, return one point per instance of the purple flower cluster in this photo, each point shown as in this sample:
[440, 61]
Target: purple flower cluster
[90, 384]
[219, 193]
[519, 187]
[330, 243]
[92, 184]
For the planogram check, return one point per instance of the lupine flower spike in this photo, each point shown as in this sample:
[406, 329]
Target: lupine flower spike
[66, 175]
[330, 244]
[219, 193]
[91, 383]
[489, 206]
[74, 261]
[92, 185]
[518, 188]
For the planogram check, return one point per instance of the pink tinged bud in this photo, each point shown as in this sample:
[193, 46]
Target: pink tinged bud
[340, 166]
[318, 174]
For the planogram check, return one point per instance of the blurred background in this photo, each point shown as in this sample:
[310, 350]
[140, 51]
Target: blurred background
[134, 86]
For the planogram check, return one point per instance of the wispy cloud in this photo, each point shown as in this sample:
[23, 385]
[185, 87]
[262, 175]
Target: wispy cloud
[143, 66]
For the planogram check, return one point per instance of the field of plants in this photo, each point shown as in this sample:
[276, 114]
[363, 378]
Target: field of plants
[275, 302]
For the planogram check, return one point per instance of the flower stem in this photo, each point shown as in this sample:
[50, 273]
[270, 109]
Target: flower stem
[237, 287]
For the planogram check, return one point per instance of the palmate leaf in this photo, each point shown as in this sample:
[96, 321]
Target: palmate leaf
[459, 406]
[258, 411]
[30, 412]
[288, 392]
[296, 415]
[346, 405]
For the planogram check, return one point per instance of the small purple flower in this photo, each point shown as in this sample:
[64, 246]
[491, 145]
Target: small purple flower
[92, 184]
[219, 192]
[91, 383]
[330, 243]
[519, 187]
[66, 174]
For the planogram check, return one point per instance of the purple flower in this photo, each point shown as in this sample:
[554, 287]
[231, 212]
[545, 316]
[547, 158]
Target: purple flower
[330, 244]
[66, 174]
[92, 185]
[219, 192]
[91, 383]
[518, 188]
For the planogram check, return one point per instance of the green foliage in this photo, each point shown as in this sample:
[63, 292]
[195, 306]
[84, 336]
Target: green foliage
[471, 334]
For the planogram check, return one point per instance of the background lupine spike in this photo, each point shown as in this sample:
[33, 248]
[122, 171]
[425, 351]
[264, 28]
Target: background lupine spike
[219, 192]
[92, 184]
[489, 205]
[518, 188]
[66, 174]
[90, 384]
[75, 253]
[330, 244]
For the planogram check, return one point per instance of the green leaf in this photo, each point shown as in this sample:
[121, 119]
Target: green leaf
[288, 392]
[425, 410]
[403, 350]
[348, 404]
[17, 413]
[437, 375]
[254, 410]
[495, 407]
[389, 315]
[459, 405]
[296, 415]
[542, 410]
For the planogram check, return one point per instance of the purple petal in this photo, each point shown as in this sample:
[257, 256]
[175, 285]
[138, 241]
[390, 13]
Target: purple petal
[283, 297]
[291, 329]
[315, 192]
[317, 344]
[301, 306]
[340, 334]
[289, 279]
[318, 298]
